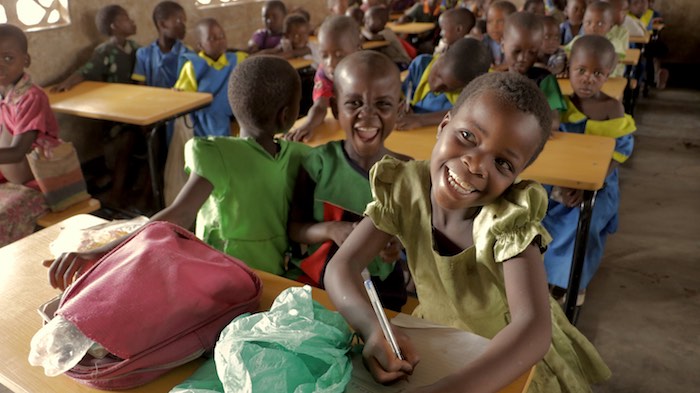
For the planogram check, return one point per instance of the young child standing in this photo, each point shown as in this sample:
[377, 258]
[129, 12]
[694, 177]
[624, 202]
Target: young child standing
[240, 189]
[26, 122]
[208, 71]
[158, 64]
[574, 20]
[338, 36]
[454, 24]
[433, 83]
[496, 16]
[522, 40]
[113, 60]
[551, 56]
[375, 29]
[273, 13]
[333, 187]
[474, 243]
[589, 111]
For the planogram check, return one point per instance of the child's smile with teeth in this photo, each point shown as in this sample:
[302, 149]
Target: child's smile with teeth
[458, 184]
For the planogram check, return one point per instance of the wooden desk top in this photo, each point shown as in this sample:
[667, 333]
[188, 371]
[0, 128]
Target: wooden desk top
[411, 28]
[24, 287]
[568, 160]
[641, 39]
[300, 62]
[614, 87]
[123, 103]
[374, 44]
[657, 26]
[631, 56]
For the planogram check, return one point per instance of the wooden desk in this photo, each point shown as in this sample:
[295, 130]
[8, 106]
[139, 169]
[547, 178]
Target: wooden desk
[300, 62]
[614, 87]
[568, 160]
[641, 39]
[395, 16]
[631, 56]
[130, 104]
[657, 26]
[411, 28]
[24, 287]
[374, 44]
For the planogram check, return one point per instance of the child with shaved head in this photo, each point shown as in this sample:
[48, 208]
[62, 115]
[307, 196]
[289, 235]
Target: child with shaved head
[454, 24]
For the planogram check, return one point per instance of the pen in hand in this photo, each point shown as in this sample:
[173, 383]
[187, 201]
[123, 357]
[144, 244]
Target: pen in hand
[409, 96]
[381, 316]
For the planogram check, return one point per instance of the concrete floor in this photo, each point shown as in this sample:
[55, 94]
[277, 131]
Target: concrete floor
[642, 309]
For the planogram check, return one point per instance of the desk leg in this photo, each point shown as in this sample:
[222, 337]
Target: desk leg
[584, 224]
[154, 144]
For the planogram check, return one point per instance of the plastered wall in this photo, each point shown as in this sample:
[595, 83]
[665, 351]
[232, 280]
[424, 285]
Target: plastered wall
[682, 32]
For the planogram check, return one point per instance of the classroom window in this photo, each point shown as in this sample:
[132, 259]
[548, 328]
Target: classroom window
[220, 3]
[34, 15]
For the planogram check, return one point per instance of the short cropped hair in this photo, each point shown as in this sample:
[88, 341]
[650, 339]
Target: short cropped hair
[106, 16]
[513, 89]
[505, 6]
[341, 26]
[11, 31]
[529, 3]
[524, 20]
[461, 16]
[466, 59]
[292, 20]
[260, 87]
[549, 20]
[377, 63]
[276, 4]
[594, 45]
[601, 7]
[164, 10]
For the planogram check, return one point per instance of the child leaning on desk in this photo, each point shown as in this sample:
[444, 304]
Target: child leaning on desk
[474, 243]
[26, 122]
[338, 36]
[433, 83]
[589, 111]
[239, 189]
[333, 186]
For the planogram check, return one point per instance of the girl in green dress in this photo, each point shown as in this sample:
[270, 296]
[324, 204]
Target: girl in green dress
[474, 242]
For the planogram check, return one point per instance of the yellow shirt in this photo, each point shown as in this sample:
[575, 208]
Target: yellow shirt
[187, 81]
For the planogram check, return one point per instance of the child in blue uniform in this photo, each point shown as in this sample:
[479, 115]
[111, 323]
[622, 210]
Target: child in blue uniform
[157, 64]
[495, 21]
[433, 83]
[589, 111]
[333, 187]
[208, 71]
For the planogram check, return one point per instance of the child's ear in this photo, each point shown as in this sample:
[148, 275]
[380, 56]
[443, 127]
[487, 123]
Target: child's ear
[445, 121]
[333, 104]
[27, 60]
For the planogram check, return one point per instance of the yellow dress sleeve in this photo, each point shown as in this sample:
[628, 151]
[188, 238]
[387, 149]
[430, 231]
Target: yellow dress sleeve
[187, 81]
[514, 221]
[384, 209]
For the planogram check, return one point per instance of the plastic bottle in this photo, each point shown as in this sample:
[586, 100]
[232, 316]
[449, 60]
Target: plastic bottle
[58, 346]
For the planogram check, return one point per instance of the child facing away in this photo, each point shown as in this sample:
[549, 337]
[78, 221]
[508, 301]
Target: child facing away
[26, 122]
[572, 26]
[496, 15]
[433, 83]
[208, 71]
[551, 56]
[295, 41]
[158, 63]
[590, 111]
[273, 14]
[240, 189]
[474, 243]
[333, 186]
[338, 36]
[375, 29]
[522, 40]
[113, 60]
[454, 24]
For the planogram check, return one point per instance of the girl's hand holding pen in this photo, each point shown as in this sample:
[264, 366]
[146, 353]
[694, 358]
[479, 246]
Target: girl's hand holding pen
[381, 361]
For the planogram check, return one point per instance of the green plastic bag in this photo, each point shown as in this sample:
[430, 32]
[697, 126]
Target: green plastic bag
[297, 347]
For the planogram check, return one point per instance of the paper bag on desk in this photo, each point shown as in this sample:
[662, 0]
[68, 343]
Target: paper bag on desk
[443, 350]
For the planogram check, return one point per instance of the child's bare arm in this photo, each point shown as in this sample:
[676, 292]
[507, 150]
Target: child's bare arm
[68, 84]
[410, 121]
[69, 266]
[19, 145]
[313, 119]
[522, 343]
[343, 283]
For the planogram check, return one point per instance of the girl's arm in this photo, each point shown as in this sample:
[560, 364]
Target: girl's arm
[519, 345]
[417, 120]
[344, 286]
[313, 119]
[68, 84]
[19, 146]
[69, 266]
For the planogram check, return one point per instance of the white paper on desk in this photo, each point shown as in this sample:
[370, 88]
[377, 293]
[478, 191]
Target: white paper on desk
[443, 350]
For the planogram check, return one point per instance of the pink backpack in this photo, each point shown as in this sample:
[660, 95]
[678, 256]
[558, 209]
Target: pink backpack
[157, 301]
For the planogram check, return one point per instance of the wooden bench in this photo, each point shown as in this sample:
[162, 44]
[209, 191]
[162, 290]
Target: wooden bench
[84, 207]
